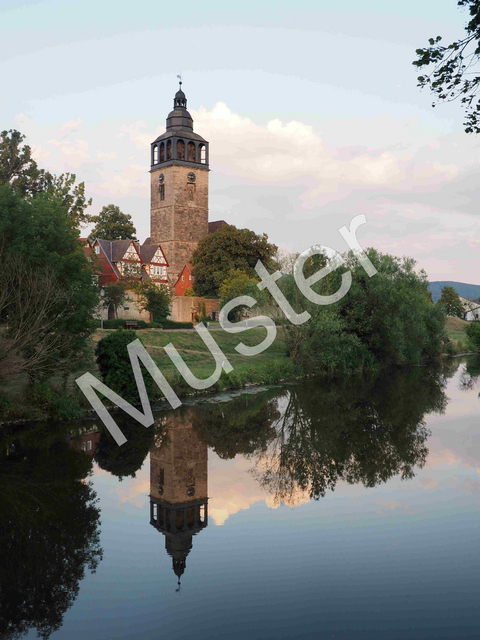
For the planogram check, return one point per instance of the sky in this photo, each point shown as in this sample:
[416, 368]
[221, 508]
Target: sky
[311, 110]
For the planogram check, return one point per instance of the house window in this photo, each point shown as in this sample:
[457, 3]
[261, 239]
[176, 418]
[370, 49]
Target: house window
[97, 249]
[84, 446]
[162, 192]
[183, 278]
[126, 308]
[89, 445]
[189, 277]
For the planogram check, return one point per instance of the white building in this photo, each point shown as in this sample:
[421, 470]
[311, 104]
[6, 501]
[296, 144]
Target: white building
[471, 309]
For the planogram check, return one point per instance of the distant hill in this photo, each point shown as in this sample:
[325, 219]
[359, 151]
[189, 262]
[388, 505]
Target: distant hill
[470, 291]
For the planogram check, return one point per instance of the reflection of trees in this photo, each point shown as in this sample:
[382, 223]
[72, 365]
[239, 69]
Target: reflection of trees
[125, 460]
[242, 426]
[48, 534]
[351, 430]
[471, 372]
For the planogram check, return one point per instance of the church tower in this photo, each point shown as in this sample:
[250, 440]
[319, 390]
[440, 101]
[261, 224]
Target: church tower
[179, 188]
[179, 488]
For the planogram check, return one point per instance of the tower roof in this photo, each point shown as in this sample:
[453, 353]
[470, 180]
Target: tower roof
[179, 119]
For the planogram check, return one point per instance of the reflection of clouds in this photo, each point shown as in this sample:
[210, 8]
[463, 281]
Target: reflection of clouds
[133, 490]
[453, 465]
[392, 505]
[294, 498]
[428, 483]
[231, 487]
[136, 492]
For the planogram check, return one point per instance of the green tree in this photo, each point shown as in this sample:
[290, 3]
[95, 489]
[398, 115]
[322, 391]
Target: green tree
[385, 320]
[19, 169]
[115, 367]
[154, 298]
[226, 249]
[112, 224]
[40, 232]
[115, 295]
[452, 74]
[451, 301]
[473, 333]
[238, 283]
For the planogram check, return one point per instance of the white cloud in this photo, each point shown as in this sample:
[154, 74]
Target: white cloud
[73, 154]
[71, 125]
[106, 156]
[133, 179]
[139, 139]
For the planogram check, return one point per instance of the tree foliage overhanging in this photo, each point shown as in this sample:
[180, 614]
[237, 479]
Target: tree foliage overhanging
[48, 289]
[454, 68]
[40, 233]
[385, 320]
[19, 169]
[226, 249]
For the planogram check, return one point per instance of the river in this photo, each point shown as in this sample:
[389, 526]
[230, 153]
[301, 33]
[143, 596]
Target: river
[346, 509]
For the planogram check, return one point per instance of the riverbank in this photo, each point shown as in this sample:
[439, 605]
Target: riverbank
[62, 400]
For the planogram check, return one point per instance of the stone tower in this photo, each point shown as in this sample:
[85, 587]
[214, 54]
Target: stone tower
[179, 488]
[179, 187]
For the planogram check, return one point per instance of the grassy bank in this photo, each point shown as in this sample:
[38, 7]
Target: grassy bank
[64, 401]
[455, 329]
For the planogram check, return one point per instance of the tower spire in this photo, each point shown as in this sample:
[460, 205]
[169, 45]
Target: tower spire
[180, 100]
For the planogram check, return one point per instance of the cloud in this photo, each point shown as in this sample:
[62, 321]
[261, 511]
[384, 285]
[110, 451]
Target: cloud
[293, 151]
[393, 505]
[111, 155]
[39, 154]
[73, 154]
[71, 125]
[139, 139]
[133, 179]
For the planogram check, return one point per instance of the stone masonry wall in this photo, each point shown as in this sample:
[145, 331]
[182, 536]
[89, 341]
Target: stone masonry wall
[183, 307]
[180, 220]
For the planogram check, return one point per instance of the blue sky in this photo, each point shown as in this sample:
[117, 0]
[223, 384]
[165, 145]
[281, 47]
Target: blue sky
[312, 113]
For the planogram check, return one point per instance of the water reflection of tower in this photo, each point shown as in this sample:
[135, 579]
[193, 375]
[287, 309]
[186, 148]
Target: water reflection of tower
[179, 488]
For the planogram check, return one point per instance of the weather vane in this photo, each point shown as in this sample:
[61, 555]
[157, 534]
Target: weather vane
[180, 78]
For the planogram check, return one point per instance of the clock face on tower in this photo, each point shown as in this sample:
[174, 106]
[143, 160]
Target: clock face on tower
[191, 177]
[161, 178]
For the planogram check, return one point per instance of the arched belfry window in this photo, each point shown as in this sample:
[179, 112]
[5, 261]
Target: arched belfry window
[169, 150]
[180, 150]
[191, 152]
[155, 154]
[162, 152]
[202, 152]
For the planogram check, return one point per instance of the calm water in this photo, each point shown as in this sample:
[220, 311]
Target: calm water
[343, 510]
